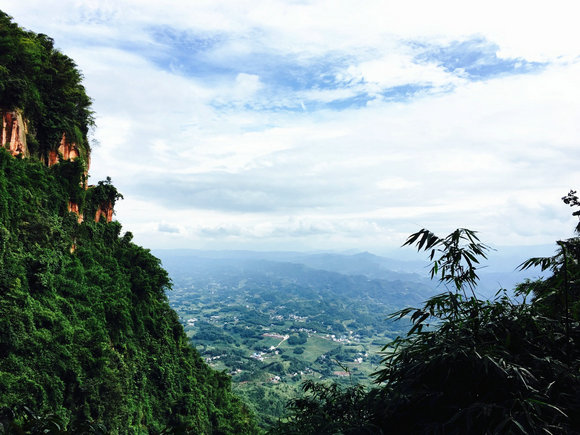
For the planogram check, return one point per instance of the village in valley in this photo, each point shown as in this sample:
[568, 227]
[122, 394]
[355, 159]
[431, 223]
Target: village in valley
[276, 340]
[272, 330]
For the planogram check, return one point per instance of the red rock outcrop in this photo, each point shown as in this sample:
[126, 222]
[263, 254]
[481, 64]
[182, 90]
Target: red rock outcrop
[66, 151]
[14, 131]
[13, 138]
[53, 158]
[105, 211]
[73, 207]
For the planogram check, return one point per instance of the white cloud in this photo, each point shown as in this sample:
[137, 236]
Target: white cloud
[168, 228]
[396, 183]
[469, 158]
[248, 84]
[495, 154]
[531, 29]
[398, 70]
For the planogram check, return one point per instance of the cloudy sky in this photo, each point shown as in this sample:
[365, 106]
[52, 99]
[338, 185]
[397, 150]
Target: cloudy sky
[295, 124]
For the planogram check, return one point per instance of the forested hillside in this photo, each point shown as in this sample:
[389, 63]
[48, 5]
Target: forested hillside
[88, 342]
[44, 84]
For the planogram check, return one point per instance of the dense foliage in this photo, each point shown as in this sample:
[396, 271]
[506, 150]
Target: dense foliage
[88, 342]
[89, 336]
[46, 85]
[467, 365]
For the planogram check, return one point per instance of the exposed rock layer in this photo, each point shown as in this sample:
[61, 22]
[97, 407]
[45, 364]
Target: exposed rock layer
[104, 211]
[13, 138]
[14, 131]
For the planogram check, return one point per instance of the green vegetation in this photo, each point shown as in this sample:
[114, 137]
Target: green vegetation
[88, 341]
[89, 335]
[46, 85]
[482, 367]
[273, 325]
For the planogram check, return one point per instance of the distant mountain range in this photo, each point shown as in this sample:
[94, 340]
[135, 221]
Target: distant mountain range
[499, 272]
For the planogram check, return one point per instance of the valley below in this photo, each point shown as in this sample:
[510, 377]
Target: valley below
[273, 320]
[273, 324]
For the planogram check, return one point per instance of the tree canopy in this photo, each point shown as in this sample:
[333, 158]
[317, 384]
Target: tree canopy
[468, 365]
[46, 85]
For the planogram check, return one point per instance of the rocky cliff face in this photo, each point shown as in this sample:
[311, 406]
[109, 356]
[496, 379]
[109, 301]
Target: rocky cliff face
[73, 207]
[14, 131]
[13, 138]
[66, 151]
[104, 211]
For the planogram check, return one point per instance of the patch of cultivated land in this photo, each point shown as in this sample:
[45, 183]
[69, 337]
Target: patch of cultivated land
[273, 328]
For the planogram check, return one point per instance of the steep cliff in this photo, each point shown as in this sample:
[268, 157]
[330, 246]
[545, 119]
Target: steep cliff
[66, 151]
[45, 109]
[14, 135]
[14, 132]
[87, 338]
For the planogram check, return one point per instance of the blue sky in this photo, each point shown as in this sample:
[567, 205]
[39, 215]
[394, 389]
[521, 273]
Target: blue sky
[291, 124]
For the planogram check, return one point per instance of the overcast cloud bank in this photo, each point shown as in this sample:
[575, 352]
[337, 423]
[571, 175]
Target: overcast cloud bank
[305, 125]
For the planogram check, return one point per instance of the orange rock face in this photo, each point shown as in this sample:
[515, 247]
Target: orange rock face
[66, 151]
[13, 138]
[52, 158]
[14, 131]
[73, 207]
[104, 211]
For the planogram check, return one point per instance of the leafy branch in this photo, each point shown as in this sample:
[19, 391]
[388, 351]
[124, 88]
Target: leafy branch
[454, 258]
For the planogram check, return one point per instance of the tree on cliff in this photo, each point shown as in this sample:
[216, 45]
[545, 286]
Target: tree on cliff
[467, 365]
[46, 85]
